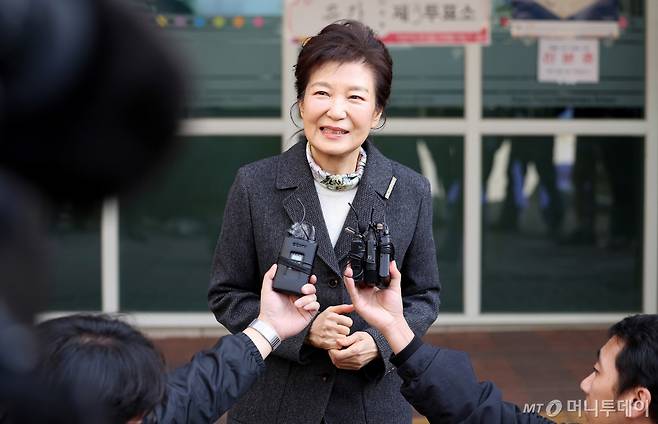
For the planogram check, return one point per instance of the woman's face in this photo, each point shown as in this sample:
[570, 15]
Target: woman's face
[338, 110]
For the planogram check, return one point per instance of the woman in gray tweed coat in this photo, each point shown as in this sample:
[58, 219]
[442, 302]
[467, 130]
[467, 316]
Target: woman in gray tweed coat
[337, 370]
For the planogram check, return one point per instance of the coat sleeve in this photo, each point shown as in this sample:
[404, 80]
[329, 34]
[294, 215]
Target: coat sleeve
[441, 384]
[234, 293]
[420, 285]
[211, 382]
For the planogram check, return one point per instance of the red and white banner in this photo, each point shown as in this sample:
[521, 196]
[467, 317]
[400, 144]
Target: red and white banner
[438, 22]
[568, 61]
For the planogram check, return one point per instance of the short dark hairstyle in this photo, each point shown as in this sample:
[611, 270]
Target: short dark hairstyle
[637, 362]
[346, 41]
[101, 356]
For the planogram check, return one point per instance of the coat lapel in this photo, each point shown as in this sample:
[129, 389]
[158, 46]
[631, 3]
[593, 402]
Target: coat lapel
[293, 172]
[369, 195]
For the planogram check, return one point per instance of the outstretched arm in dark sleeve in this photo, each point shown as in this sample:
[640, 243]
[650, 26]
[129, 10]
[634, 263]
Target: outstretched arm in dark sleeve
[211, 382]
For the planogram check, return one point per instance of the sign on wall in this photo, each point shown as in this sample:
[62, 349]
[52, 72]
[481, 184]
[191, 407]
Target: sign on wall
[568, 61]
[438, 22]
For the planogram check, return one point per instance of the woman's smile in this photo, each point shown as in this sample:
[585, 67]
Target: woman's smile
[333, 133]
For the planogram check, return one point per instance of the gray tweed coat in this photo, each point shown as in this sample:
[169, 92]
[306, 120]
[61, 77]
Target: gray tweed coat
[301, 385]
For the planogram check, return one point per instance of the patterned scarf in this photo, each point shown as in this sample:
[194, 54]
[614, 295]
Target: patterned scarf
[337, 182]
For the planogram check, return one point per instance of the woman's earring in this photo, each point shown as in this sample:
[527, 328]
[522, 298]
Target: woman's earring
[295, 111]
[382, 121]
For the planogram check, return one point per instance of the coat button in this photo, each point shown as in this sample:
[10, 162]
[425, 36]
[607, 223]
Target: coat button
[324, 376]
[333, 283]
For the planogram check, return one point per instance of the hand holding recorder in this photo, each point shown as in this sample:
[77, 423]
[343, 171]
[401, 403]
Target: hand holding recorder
[382, 308]
[285, 314]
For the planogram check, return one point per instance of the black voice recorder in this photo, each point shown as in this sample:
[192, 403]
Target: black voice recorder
[296, 258]
[371, 251]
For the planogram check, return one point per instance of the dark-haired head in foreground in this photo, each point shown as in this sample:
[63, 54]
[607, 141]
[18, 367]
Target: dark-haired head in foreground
[104, 360]
[626, 372]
